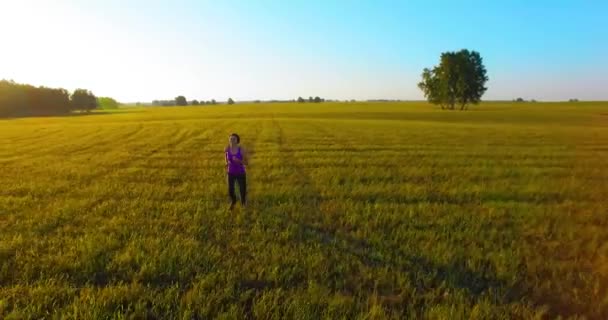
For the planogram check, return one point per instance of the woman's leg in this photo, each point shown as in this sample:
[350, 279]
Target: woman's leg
[231, 193]
[243, 188]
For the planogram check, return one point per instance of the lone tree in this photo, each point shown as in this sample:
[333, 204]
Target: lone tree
[230, 101]
[301, 100]
[181, 101]
[84, 100]
[457, 81]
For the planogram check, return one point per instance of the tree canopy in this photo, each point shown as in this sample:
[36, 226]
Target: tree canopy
[83, 100]
[181, 101]
[458, 80]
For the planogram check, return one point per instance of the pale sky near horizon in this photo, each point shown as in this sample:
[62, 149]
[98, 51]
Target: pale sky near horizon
[147, 50]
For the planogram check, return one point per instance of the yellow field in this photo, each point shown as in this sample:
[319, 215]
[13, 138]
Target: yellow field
[357, 210]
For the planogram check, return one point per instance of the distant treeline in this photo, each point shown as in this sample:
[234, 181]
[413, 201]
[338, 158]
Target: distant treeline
[26, 100]
[311, 100]
[520, 99]
[182, 101]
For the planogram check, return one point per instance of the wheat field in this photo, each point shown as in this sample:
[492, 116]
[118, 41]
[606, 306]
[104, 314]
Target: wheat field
[356, 211]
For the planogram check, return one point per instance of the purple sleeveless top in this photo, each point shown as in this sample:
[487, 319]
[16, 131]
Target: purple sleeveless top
[233, 167]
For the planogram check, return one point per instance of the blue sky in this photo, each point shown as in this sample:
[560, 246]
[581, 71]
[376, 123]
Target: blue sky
[145, 50]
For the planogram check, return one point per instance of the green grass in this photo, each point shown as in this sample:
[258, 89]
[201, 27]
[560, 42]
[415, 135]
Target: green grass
[366, 211]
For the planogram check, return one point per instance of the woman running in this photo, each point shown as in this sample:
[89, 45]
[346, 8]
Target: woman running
[236, 159]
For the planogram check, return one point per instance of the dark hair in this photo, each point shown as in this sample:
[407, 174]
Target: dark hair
[238, 139]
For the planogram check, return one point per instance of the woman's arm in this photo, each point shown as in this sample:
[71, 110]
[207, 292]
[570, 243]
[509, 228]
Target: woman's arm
[245, 156]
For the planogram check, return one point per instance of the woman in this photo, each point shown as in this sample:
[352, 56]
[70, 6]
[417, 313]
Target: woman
[236, 159]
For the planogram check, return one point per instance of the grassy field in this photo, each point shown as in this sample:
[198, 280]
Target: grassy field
[366, 211]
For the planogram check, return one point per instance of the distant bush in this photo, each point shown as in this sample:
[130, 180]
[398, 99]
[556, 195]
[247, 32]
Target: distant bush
[106, 103]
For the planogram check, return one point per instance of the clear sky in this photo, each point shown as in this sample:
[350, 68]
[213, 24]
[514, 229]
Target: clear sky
[146, 50]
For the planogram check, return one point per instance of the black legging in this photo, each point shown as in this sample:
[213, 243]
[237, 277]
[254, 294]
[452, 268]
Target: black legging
[242, 180]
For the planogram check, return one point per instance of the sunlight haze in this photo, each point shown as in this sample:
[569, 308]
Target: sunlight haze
[141, 51]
